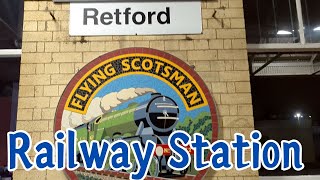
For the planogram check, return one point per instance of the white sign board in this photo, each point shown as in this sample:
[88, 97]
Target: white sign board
[62, 1]
[138, 18]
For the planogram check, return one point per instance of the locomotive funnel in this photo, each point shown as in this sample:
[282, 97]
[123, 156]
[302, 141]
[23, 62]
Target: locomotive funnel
[155, 95]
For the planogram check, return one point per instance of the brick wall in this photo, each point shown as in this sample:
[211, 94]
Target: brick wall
[51, 58]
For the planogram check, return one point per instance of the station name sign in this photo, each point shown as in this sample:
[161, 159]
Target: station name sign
[135, 18]
[91, 1]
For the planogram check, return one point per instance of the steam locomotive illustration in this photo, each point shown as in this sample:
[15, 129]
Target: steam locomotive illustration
[154, 119]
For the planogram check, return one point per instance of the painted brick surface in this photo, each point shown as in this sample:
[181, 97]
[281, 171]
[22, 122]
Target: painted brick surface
[51, 58]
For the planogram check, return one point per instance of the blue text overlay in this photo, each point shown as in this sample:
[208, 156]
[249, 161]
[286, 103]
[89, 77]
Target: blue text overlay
[121, 155]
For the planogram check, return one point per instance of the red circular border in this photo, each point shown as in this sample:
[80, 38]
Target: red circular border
[89, 66]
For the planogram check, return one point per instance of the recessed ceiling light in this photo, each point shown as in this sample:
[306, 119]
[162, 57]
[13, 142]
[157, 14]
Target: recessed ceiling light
[284, 32]
[317, 28]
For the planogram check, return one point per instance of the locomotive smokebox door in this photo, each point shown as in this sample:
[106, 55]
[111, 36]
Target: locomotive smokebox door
[162, 113]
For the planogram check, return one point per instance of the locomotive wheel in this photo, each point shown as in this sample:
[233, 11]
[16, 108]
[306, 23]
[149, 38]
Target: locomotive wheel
[107, 166]
[184, 172]
[79, 158]
[154, 167]
[134, 167]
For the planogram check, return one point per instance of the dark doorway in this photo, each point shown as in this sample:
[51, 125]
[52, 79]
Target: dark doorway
[288, 107]
[11, 22]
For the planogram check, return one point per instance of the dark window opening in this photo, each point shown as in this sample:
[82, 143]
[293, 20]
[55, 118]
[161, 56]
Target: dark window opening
[310, 9]
[271, 21]
[276, 21]
[11, 18]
